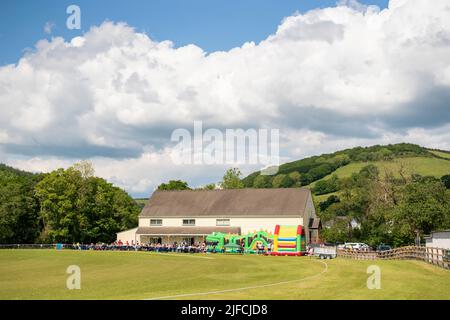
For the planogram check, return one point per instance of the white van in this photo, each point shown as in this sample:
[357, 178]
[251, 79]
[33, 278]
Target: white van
[356, 246]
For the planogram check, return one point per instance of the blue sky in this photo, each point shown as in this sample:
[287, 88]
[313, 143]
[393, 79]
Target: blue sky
[212, 25]
[327, 79]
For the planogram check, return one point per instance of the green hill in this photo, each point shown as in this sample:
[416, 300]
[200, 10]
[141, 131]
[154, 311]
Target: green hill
[412, 158]
[424, 166]
[141, 202]
[441, 153]
[10, 171]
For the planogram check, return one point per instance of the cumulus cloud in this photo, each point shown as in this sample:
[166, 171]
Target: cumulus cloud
[329, 78]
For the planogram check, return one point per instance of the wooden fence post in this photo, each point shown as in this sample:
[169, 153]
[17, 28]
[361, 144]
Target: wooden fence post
[435, 256]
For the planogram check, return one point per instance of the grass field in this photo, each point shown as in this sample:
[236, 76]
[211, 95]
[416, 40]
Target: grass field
[323, 197]
[441, 154]
[420, 165]
[40, 274]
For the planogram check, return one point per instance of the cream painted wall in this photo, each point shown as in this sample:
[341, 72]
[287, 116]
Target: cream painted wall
[169, 239]
[249, 224]
[439, 243]
[439, 240]
[127, 235]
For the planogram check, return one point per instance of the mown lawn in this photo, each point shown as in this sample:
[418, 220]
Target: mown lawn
[41, 274]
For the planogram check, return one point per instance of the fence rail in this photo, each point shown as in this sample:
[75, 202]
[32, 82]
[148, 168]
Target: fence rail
[436, 256]
[28, 246]
[105, 247]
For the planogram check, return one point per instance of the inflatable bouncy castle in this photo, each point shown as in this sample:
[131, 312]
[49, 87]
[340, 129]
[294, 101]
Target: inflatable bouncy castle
[233, 243]
[253, 239]
[286, 241]
[289, 241]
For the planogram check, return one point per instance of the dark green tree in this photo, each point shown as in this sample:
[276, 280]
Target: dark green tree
[78, 207]
[330, 200]
[423, 207]
[209, 186]
[232, 179]
[326, 186]
[262, 181]
[446, 181]
[174, 185]
[19, 208]
[282, 181]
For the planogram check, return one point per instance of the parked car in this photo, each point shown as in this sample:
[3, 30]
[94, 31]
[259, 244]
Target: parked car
[447, 256]
[384, 247]
[356, 246]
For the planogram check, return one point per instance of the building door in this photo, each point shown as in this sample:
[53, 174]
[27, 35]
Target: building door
[159, 241]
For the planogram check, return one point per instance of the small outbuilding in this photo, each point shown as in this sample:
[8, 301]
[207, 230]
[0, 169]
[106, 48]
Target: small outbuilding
[438, 239]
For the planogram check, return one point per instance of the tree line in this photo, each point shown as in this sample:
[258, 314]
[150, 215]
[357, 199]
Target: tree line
[65, 205]
[389, 208]
[306, 171]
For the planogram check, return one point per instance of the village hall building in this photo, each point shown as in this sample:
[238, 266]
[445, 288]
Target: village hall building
[191, 215]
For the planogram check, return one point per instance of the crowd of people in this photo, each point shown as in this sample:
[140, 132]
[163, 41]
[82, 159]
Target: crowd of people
[182, 247]
[197, 247]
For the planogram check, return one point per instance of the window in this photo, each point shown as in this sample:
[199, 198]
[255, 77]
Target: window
[155, 222]
[188, 222]
[222, 222]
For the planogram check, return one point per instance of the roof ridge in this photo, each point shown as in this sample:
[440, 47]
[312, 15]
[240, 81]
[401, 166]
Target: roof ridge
[228, 202]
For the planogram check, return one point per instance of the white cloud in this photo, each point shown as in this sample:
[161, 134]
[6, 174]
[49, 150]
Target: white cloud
[3, 136]
[329, 78]
[138, 176]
